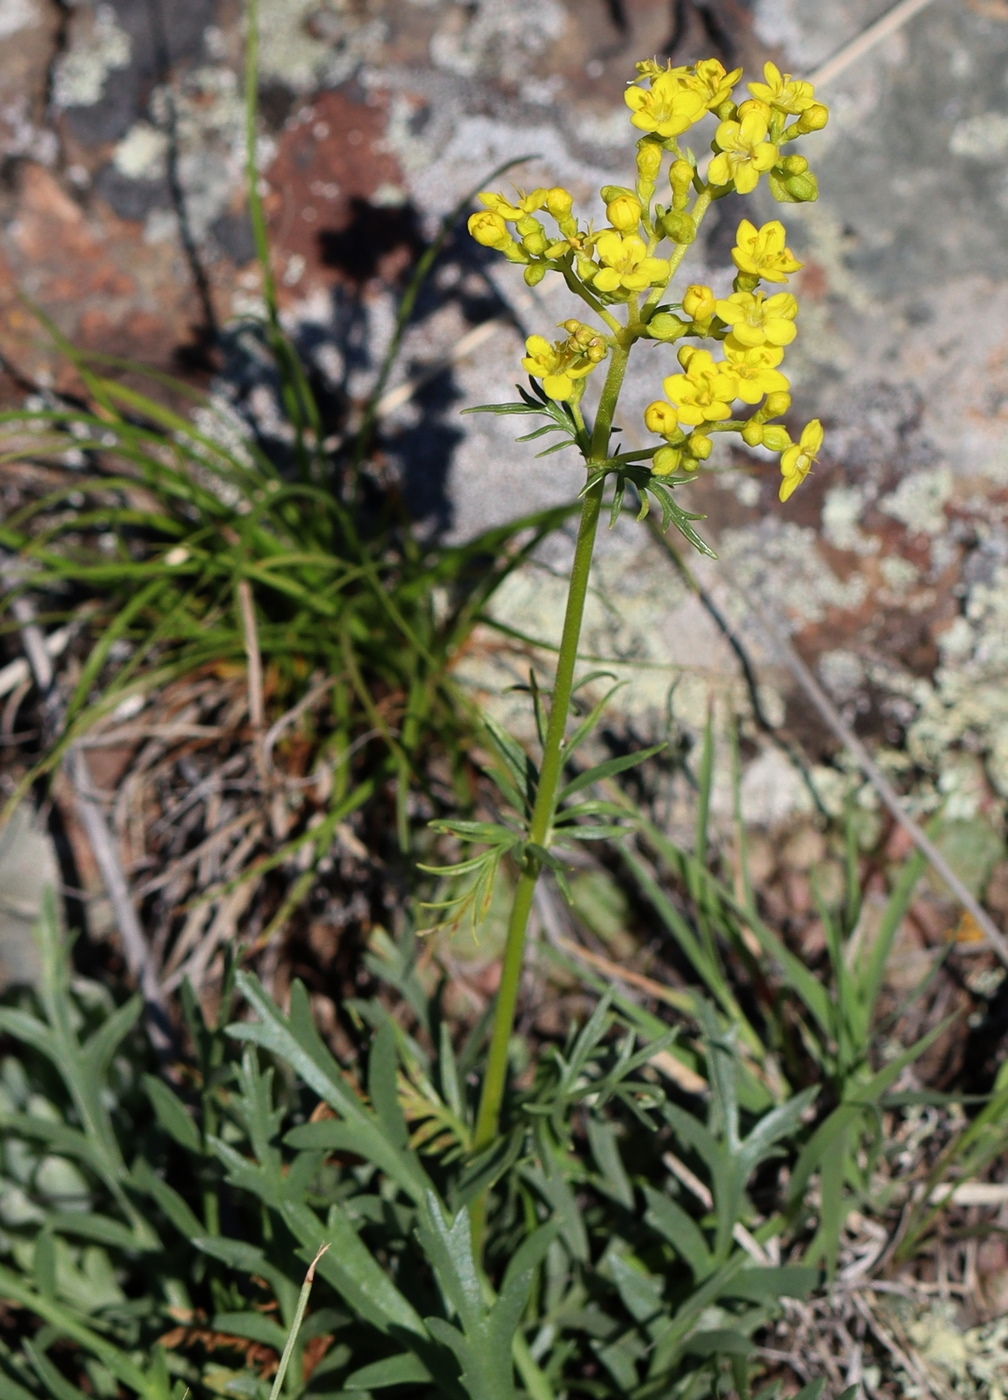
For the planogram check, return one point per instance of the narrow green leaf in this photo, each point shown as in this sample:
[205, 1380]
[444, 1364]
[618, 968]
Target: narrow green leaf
[604, 1148]
[383, 1063]
[172, 1114]
[165, 1196]
[102, 1229]
[762, 1285]
[680, 1230]
[405, 1369]
[608, 770]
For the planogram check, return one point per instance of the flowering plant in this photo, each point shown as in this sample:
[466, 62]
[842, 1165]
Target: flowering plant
[623, 273]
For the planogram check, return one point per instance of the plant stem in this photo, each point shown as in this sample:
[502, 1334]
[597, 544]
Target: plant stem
[540, 826]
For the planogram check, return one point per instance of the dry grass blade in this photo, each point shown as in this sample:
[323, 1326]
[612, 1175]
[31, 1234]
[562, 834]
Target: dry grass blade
[864, 42]
[995, 940]
[740, 1234]
[295, 1326]
[138, 954]
[681, 1075]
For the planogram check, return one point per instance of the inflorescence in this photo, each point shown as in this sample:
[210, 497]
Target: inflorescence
[633, 259]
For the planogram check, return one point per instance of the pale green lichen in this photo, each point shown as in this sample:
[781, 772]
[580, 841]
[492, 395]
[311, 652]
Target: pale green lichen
[308, 46]
[983, 137]
[98, 48]
[779, 559]
[973, 1360]
[208, 115]
[919, 500]
[899, 574]
[967, 703]
[841, 515]
[502, 36]
[140, 155]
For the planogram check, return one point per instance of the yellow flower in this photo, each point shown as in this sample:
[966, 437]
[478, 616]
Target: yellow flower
[713, 82]
[560, 366]
[667, 108]
[626, 265]
[516, 209]
[698, 302]
[796, 460]
[757, 319]
[787, 94]
[745, 153]
[756, 370]
[624, 213]
[559, 202]
[489, 229]
[704, 393]
[660, 417]
[761, 252]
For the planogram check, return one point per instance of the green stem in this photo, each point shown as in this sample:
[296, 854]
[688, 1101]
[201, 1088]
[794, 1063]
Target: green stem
[700, 206]
[543, 811]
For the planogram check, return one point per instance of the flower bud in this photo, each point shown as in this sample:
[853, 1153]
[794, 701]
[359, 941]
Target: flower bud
[611, 192]
[776, 437]
[802, 188]
[725, 111]
[665, 461]
[680, 178]
[699, 303]
[660, 417]
[753, 104]
[792, 182]
[752, 433]
[585, 268]
[776, 403]
[559, 202]
[685, 353]
[814, 118]
[699, 445]
[688, 463]
[665, 326]
[679, 226]
[534, 273]
[624, 213]
[535, 243]
[488, 229]
[649, 159]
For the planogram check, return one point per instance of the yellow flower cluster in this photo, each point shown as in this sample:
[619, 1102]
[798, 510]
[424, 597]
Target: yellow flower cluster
[631, 260]
[562, 366]
[754, 329]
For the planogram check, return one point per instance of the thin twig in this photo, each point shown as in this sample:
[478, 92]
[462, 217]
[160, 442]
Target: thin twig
[92, 819]
[295, 1327]
[250, 637]
[17, 671]
[135, 949]
[740, 1234]
[680, 1074]
[888, 795]
[864, 42]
